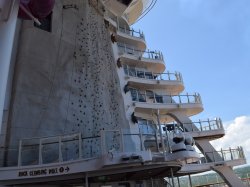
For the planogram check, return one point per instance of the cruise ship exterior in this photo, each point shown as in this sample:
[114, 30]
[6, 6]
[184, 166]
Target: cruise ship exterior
[84, 102]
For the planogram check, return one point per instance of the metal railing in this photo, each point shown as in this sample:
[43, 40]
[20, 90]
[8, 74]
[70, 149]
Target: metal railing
[153, 55]
[201, 125]
[134, 72]
[38, 151]
[132, 32]
[151, 97]
[224, 155]
[56, 149]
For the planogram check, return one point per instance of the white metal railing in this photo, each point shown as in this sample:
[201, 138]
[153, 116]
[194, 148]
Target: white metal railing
[201, 125]
[224, 155]
[132, 32]
[134, 72]
[37, 151]
[153, 55]
[151, 97]
[56, 149]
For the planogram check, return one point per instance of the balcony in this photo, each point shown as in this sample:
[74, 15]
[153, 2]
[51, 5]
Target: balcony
[131, 37]
[206, 129]
[114, 152]
[229, 157]
[117, 7]
[170, 82]
[148, 102]
[152, 60]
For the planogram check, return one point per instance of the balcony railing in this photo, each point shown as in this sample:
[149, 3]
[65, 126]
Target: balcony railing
[199, 126]
[56, 149]
[151, 97]
[133, 72]
[132, 32]
[154, 55]
[224, 155]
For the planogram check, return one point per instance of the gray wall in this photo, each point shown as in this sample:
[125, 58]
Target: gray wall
[66, 81]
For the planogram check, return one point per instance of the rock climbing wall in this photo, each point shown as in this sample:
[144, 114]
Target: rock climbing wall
[66, 81]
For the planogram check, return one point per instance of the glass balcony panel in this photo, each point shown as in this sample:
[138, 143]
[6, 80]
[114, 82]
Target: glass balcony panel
[91, 147]
[70, 149]
[30, 152]
[112, 141]
[50, 152]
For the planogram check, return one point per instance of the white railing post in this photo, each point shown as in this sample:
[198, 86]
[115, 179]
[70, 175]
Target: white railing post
[20, 153]
[213, 156]
[142, 147]
[103, 143]
[231, 154]
[209, 125]
[40, 159]
[60, 149]
[121, 141]
[168, 75]
[188, 98]
[200, 125]
[222, 155]
[80, 145]
[179, 97]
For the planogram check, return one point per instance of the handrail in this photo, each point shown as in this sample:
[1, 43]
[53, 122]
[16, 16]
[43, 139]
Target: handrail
[155, 55]
[134, 72]
[132, 32]
[201, 125]
[225, 155]
[151, 97]
[58, 149]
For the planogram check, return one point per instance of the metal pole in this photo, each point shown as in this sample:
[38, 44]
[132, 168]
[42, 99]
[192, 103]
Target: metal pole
[159, 124]
[178, 180]
[86, 180]
[190, 181]
[172, 177]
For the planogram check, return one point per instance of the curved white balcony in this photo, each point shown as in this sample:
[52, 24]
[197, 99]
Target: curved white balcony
[138, 9]
[149, 102]
[152, 60]
[131, 37]
[229, 157]
[117, 7]
[170, 82]
[202, 129]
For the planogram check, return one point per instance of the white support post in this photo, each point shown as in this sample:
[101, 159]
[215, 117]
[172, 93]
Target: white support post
[161, 136]
[80, 145]
[86, 180]
[20, 153]
[40, 159]
[121, 141]
[60, 149]
[7, 34]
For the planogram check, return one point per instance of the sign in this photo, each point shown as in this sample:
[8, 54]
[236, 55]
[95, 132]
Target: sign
[43, 172]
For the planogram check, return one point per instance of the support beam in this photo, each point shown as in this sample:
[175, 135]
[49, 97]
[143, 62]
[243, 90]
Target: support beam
[228, 176]
[204, 145]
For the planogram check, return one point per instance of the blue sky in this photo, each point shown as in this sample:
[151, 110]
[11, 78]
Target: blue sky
[208, 41]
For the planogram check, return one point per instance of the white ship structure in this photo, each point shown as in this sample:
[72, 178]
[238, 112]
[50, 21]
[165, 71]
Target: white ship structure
[83, 102]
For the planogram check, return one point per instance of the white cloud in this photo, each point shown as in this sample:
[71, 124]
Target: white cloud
[237, 134]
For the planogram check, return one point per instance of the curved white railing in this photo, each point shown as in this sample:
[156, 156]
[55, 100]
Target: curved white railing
[132, 32]
[153, 55]
[201, 125]
[151, 97]
[134, 72]
[224, 155]
[56, 149]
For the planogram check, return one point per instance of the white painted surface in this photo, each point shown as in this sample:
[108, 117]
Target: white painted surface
[7, 31]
